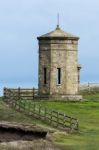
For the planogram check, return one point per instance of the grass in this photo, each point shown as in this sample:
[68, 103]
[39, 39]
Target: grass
[87, 112]
[92, 96]
[8, 114]
[88, 116]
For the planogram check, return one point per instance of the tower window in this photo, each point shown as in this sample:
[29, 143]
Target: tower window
[45, 75]
[58, 75]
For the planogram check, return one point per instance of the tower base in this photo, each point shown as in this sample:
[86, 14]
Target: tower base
[61, 97]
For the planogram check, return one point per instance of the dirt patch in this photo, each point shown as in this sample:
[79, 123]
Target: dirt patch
[14, 132]
[14, 136]
[28, 145]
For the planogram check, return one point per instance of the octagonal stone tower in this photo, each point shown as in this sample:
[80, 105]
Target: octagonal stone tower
[58, 66]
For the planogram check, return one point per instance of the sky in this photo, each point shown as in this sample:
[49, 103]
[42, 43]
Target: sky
[21, 21]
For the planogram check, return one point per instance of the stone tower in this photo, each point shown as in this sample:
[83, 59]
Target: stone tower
[58, 65]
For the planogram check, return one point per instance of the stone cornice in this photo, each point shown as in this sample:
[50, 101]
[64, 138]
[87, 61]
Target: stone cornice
[58, 38]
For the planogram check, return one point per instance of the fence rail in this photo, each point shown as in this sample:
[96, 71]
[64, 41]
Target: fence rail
[51, 117]
[89, 87]
[20, 93]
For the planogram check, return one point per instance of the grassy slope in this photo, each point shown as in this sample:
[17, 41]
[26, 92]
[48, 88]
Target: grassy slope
[8, 114]
[86, 112]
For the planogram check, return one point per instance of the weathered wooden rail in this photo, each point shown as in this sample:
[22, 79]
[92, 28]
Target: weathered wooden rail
[32, 108]
[89, 88]
[21, 93]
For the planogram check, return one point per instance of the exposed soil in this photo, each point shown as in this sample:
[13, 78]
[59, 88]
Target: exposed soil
[14, 132]
[19, 136]
[28, 145]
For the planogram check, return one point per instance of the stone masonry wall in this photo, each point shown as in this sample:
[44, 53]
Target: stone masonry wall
[55, 54]
[44, 62]
[64, 56]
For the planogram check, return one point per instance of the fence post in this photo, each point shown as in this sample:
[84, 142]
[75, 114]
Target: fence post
[4, 93]
[51, 117]
[39, 111]
[34, 108]
[77, 124]
[29, 107]
[64, 119]
[57, 119]
[19, 93]
[24, 105]
[71, 125]
[33, 93]
[45, 113]
[88, 86]
[19, 105]
[14, 104]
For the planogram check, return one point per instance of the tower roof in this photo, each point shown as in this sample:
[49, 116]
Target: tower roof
[58, 33]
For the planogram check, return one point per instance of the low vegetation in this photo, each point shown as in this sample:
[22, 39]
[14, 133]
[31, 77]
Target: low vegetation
[87, 112]
[9, 114]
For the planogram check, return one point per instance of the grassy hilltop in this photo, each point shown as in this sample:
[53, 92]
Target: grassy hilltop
[87, 112]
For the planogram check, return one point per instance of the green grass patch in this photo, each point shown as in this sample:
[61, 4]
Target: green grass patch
[9, 114]
[94, 97]
[87, 112]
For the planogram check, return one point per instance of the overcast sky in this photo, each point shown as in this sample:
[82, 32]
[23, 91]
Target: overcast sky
[21, 21]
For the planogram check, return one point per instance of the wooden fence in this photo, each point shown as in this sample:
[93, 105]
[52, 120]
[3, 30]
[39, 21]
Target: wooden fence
[89, 88]
[52, 117]
[20, 93]
[32, 108]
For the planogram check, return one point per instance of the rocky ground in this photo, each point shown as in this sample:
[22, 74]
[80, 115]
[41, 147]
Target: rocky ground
[15, 136]
[28, 145]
